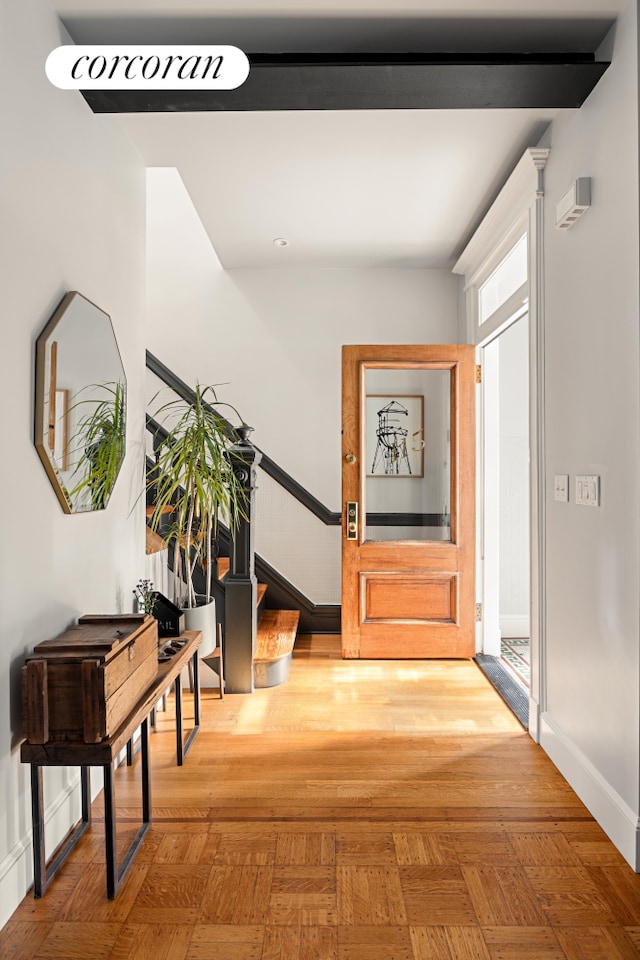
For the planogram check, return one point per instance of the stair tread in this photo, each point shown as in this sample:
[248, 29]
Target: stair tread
[223, 570]
[276, 634]
[154, 542]
[150, 510]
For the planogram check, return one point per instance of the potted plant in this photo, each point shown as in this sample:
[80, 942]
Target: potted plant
[192, 485]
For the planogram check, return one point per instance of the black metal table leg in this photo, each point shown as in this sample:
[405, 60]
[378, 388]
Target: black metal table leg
[196, 706]
[43, 872]
[179, 744]
[37, 814]
[196, 690]
[110, 831]
[183, 746]
[146, 775]
[115, 873]
[85, 786]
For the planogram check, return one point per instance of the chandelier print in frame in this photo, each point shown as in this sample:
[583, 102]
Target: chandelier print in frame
[395, 435]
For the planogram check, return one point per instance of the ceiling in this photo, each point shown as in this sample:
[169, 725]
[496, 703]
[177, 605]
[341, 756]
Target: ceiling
[355, 188]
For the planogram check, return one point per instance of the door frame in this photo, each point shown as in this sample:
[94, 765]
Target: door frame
[488, 448]
[519, 208]
[369, 563]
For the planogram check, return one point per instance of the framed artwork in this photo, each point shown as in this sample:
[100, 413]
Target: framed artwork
[394, 435]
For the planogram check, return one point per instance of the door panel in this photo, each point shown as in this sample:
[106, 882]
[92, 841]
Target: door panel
[410, 596]
[408, 460]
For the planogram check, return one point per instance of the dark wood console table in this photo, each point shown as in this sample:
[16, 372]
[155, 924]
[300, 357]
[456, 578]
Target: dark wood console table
[103, 754]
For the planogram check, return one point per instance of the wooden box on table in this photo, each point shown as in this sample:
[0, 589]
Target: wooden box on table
[81, 685]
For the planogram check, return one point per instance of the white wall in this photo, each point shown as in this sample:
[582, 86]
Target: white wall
[591, 723]
[275, 335]
[72, 200]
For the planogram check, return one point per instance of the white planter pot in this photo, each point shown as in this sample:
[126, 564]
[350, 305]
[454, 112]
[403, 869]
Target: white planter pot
[204, 619]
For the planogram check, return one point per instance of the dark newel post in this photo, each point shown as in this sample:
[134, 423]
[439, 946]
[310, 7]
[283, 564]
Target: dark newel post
[241, 615]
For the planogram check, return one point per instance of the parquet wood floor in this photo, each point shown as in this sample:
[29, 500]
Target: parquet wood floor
[361, 811]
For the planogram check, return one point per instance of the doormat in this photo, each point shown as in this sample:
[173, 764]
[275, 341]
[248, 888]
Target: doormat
[517, 655]
[508, 688]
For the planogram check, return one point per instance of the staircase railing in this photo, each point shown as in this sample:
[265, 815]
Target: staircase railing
[282, 593]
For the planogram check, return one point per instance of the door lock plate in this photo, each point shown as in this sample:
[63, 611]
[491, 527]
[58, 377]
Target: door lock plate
[352, 520]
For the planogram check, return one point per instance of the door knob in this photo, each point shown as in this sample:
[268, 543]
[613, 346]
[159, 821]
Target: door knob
[350, 458]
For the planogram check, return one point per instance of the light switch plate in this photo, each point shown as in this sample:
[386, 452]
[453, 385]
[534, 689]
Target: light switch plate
[561, 487]
[588, 491]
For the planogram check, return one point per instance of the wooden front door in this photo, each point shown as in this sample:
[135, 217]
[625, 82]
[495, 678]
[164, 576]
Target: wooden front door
[408, 481]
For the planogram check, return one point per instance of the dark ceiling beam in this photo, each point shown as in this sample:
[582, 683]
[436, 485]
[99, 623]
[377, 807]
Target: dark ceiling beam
[395, 82]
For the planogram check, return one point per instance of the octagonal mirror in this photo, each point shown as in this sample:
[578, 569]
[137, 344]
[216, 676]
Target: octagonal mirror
[80, 404]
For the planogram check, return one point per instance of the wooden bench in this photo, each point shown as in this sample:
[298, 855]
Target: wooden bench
[103, 754]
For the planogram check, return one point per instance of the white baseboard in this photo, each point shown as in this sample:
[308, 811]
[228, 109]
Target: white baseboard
[614, 815]
[516, 626]
[16, 876]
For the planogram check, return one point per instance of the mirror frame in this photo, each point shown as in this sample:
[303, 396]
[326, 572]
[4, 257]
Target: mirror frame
[44, 389]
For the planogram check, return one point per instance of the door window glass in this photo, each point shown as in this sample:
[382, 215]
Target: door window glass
[509, 276]
[407, 454]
